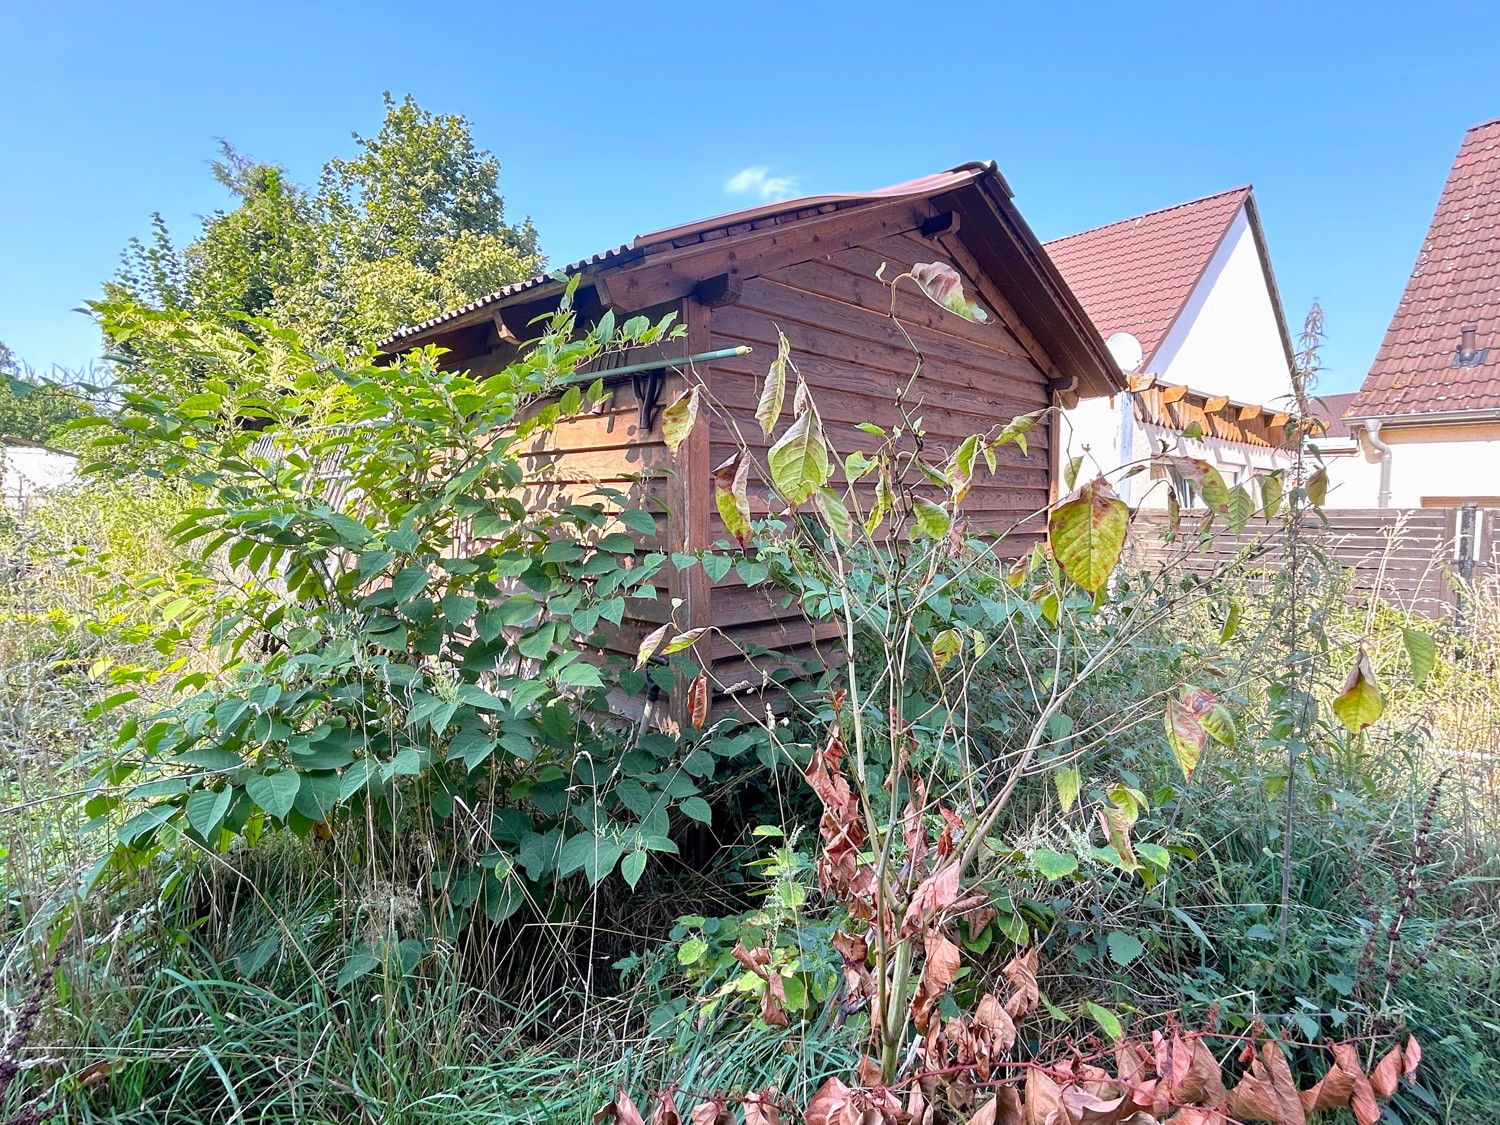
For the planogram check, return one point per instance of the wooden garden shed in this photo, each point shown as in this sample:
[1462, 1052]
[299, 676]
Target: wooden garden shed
[808, 267]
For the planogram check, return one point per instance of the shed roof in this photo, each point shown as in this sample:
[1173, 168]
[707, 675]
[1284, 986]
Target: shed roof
[993, 229]
[1456, 282]
[1135, 275]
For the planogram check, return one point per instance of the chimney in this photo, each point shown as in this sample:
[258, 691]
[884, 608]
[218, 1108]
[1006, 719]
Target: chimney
[1468, 355]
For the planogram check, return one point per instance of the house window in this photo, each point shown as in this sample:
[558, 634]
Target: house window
[1183, 487]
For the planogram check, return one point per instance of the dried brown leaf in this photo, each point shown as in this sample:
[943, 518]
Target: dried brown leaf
[1267, 1092]
[622, 1109]
[760, 1109]
[697, 699]
[714, 1112]
[665, 1112]
[831, 1104]
[1387, 1074]
[1412, 1058]
[934, 895]
[773, 1001]
[1021, 972]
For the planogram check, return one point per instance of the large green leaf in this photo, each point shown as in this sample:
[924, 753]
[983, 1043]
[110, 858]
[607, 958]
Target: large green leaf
[1270, 494]
[799, 460]
[274, 792]
[1421, 650]
[1359, 703]
[1087, 534]
[206, 808]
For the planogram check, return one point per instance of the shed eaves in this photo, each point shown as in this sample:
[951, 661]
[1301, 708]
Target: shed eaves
[1136, 275]
[704, 230]
[1456, 282]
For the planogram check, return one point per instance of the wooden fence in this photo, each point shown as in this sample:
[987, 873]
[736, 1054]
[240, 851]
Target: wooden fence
[1421, 559]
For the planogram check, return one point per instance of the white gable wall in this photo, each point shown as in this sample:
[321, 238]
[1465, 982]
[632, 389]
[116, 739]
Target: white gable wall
[1227, 341]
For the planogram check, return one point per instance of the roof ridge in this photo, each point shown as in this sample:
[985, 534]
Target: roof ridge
[1246, 188]
[1482, 125]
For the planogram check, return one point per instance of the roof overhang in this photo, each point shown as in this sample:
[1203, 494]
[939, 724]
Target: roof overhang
[669, 265]
[1428, 418]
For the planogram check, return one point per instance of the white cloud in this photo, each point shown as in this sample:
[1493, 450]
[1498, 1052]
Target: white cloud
[758, 180]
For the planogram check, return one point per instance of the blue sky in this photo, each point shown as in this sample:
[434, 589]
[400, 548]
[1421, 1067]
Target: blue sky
[614, 119]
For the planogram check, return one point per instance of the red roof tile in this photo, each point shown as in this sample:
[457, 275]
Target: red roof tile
[1136, 275]
[1456, 282]
[1329, 410]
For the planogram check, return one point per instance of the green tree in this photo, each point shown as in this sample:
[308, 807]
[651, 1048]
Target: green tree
[412, 224]
[30, 408]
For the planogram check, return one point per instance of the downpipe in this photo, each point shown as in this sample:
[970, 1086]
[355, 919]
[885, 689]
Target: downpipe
[1383, 453]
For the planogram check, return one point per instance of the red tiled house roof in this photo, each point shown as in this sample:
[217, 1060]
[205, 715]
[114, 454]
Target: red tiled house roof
[1136, 275]
[1329, 411]
[1456, 282]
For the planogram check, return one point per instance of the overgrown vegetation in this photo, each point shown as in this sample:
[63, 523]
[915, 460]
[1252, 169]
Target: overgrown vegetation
[315, 806]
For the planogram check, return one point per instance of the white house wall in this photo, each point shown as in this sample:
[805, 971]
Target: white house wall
[27, 471]
[1227, 340]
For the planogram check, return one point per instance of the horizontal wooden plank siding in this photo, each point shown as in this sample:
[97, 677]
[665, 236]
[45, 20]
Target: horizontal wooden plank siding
[835, 314]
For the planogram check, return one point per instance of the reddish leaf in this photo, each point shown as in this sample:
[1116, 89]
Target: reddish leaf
[650, 643]
[698, 700]
[830, 1105]
[943, 285]
[1412, 1058]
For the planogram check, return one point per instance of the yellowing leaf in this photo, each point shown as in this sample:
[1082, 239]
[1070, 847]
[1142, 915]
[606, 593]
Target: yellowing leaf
[1015, 429]
[945, 646]
[650, 643]
[682, 641]
[773, 391]
[945, 287]
[1068, 782]
[1359, 704]
[1070, 472]
[677, 420]
[884, 498]
[963, 467]
[1185, 736]
[836, 515]
[1270, 495]
[732, 496]
[1317, 487]
[1239, 508]
[799, 461]
[933, 520]
[1087, 534]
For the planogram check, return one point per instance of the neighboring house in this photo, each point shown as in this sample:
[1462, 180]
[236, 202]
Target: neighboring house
[809, 268]
[1186, 298]
[1352, 477]
[29, 470]
[1428, 413]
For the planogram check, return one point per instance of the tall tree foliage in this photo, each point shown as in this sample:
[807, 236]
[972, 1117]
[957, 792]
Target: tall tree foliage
[411, 224]
[29, 407]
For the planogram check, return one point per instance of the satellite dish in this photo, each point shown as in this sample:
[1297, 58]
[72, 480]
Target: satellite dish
[1127, 351]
